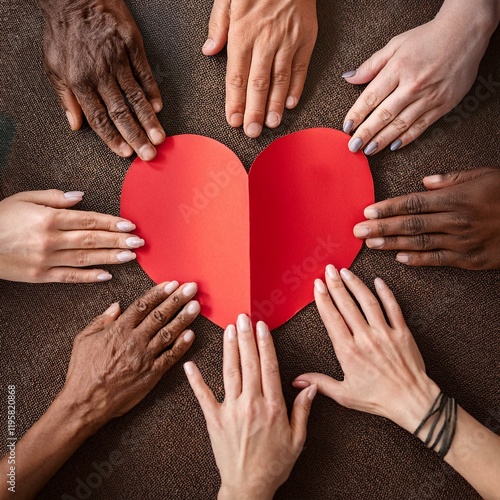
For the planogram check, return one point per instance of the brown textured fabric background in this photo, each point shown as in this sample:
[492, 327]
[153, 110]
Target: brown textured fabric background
[453, 314]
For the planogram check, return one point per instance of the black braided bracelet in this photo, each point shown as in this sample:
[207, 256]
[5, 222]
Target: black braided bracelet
[445, 436]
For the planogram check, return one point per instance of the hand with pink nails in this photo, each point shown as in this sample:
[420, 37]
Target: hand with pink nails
[41, 241]
[116, 361]
[384, 374]
[269, 45]
[254, 442]
[419, 76]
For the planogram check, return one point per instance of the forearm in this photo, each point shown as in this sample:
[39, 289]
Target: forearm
[479, 17]
[475, 450]
[45, 448]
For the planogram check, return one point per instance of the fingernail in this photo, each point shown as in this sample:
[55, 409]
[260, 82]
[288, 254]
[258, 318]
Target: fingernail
[125, 226]
[375, 242]
[396, 145]
[190, 289]
[346, 274]
[209, 44]
[361, 231]
[243, 323]
[111, 309]
[189, 368]
[254, 130]
[312, 392]
[262, 330]
[157, 105]
[134, 242]
[171, 287]
[403, 258]
[157, 136]
[371, 148]
[434, 178]
[348, 126]
[302, 384]
[193, 307]
[71, 119]
[290, 102]
[147, 152]
[236, 120]
[331, 272]
[125, 150]
[74, 195]
[355, 145]
[348, 74]
[379, 283]
[231, 332]
[125, 256]
[188, 336]
[273, 119]
[104, 277]
[320, 286]
[371, 213]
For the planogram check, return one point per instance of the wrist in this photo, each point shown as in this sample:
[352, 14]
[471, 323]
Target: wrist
[51, 8]
[479, 18]
[245, 492]
[415, 405]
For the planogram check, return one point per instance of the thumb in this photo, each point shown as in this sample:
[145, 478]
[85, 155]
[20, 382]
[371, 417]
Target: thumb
[300, 415]
[218, 28]
[371, 67]
[453, 178]
[327, 386]
[101, 321]
[68, 101]
[52, 198]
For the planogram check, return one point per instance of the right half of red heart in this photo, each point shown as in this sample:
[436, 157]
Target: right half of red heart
[307, 191]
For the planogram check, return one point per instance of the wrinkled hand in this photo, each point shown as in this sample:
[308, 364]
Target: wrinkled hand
[41, 242]
[384, 373]
[269, 45]
[118, 359]
[416, 78]
[95, 59]
[456, 223]
[254, 443]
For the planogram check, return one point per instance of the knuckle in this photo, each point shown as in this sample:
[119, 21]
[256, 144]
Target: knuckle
[98, 119]
[423, 241]
[88, 222]
[281, 78]
[159, 316]
[251, 367]
[399, 124]
[237, 81]
[70, 277]
[120, 112]
[420, 125]
[135, 97]
[271, 369]
[90, 240]
[260, 84]
[414, 204]
[82, 258]
[437, 257]
[382, 228]
[166, 335]
[384, 115]
[370, 99]
[413, 225]
[232, 372]
[140, 305]
[300, 68]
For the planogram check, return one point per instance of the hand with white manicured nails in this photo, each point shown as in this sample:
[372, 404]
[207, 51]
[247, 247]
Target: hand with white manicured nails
[254, 442]
[419, 76]
[116, 361]
[41, 241]
[384, 373]
[269, 45]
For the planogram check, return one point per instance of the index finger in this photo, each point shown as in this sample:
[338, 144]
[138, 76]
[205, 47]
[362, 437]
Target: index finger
[411, 204]
[75, 220]
[271, 381]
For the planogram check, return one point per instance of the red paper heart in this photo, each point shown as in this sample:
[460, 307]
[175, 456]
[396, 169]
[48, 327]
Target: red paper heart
[254, 243]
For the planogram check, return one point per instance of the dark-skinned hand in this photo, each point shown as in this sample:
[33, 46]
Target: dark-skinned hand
[119, 358]
[456, 223]
[95, 59]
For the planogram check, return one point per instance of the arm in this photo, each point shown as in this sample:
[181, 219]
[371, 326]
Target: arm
[384, 374]
[254, 443]
[419, 76]
[116, 361]
[94, 58]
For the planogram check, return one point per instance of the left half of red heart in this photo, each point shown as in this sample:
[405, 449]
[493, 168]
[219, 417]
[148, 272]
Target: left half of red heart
[190, 204]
